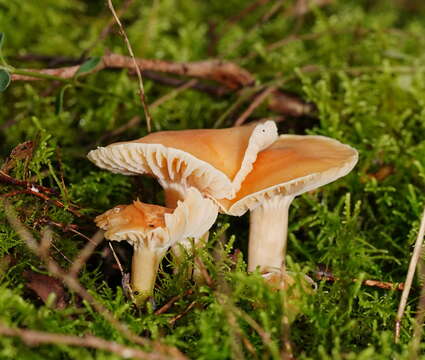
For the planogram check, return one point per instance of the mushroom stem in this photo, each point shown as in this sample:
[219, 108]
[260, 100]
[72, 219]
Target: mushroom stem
[144, 267]
[268, 234]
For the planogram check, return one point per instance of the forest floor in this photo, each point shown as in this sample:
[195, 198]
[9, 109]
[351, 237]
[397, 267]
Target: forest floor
[353, 70]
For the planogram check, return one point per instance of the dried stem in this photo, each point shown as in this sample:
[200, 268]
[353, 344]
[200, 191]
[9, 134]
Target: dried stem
[35, 338]
[409, 277]
[255, 104]
[328, 276]
[86, 252]
[171, 302]
[35, 190]
[139, 74]
[185, 311]
[418, 325]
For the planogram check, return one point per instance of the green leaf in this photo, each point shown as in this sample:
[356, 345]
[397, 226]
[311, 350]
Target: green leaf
[4, 79]
[59, 99]
[2, 36]
[88, 65]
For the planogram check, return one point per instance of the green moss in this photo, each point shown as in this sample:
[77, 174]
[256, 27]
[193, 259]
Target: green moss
[368, 87]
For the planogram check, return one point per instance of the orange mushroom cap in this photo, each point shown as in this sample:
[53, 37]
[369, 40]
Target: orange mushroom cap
[292, 165]
[215, 161]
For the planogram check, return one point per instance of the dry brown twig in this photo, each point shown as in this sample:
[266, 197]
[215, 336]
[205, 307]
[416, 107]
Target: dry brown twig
[409, 277]
[254, 104]
[139, 74]
[42, 251]
[185, 311]
[226, 73]
[108, 27]
[86, 252]
[34, 189]
[325, 274]
[35, 338]
[163, 309]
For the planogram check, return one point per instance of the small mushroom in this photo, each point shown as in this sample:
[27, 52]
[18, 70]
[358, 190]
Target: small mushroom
[152, 229]
[291, 166]
[215, 161]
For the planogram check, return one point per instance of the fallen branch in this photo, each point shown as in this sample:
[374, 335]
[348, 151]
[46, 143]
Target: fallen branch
[229, 75]
[226, 73]
[35, 338]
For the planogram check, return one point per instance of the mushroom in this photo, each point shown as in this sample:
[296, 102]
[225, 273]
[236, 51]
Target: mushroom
[152, 229]
[215, 161]
[293, 165]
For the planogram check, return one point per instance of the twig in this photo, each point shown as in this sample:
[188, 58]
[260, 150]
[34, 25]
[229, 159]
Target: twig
[107, 29]
[256, 103]
[73, 284]
[418, 324]
[226, 73]
[45, 198]
[36, 190]
[86, 252]
[35, 338]
[26, 184]
[139, 75]
[179, 316]
[213, 90]
[204, 271]
[163, 309]
[117, 260]
[409, 278]
[264, 19]
[131, 123]
[174, 93]
[328, 276]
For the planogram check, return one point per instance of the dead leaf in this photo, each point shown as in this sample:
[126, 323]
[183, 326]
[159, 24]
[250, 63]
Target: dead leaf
[44, 285]
[20, 152]
[383, 172]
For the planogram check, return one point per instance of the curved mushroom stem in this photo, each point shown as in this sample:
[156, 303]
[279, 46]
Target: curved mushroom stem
[268, 234]
[144, 267]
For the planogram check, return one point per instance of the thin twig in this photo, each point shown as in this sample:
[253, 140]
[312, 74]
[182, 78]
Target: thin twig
[86, 252]
[107, 29]
[256, 103]
[139, 74]
[35, 338]
[117, 260]
[418, 324]
[174, 93]
[328, 276]
[409, 278]
[131, 123]
[185, 311]
[163, 309]
[25, 184]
